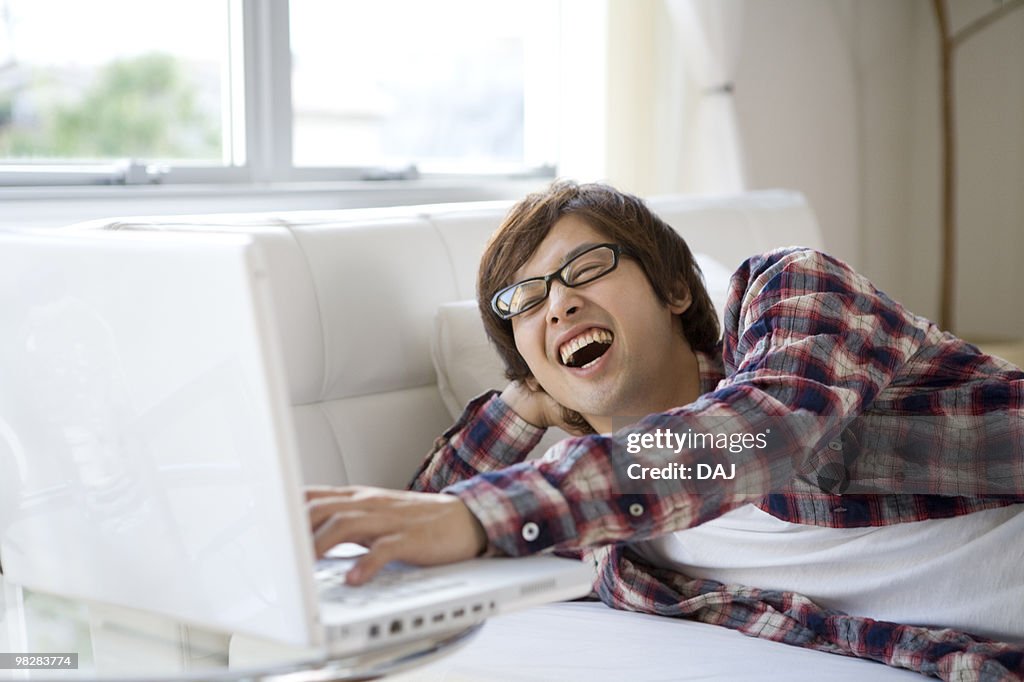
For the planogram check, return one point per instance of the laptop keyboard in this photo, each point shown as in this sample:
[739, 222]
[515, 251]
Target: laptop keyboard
[394, 581]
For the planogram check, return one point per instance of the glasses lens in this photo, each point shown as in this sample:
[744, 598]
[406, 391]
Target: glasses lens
[520, 297]
[589, 266]
[586, 267]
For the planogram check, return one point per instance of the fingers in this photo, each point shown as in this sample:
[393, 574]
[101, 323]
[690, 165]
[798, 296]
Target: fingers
[383, 551]
[314, 492]
[358, 515]
[321, 508]
[358, 526]
[421, 528]
[357, 500]
[346, 514]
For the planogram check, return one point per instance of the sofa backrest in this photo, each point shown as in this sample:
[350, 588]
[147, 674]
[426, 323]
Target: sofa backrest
[356, 292]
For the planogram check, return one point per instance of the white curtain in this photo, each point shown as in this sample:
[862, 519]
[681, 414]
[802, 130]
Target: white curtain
[709, 34]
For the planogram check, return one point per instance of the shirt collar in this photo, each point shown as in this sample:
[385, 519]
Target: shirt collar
[711, 367]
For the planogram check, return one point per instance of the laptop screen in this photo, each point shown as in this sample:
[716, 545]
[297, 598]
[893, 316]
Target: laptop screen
[145, 443]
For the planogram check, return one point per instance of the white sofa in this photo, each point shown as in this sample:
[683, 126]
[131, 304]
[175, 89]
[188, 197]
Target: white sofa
[383, 345]
[363, 295]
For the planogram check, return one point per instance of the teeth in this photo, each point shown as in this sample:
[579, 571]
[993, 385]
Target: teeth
[591, 336]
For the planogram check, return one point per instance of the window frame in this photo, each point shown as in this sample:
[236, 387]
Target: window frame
[257, 79]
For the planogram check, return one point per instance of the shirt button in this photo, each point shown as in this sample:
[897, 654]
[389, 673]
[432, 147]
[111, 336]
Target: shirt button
[530, 531]
[636, 509]
[836, 445]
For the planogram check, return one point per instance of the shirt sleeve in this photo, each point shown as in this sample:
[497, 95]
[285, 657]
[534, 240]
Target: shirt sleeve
[805, 336]
[488, 436]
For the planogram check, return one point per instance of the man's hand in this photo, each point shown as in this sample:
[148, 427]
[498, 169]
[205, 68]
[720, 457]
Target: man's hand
[532, 403]
[418, 528]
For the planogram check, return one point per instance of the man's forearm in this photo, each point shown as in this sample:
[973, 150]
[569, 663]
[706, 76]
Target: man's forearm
[488, 436]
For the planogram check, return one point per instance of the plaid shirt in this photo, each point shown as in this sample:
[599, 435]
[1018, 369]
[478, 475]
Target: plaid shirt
[804, 336]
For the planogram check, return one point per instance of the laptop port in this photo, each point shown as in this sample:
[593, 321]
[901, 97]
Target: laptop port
[417, 622]
[396, 626]
[458, 613]
[438, 617]
[374, 631]
[477, 608]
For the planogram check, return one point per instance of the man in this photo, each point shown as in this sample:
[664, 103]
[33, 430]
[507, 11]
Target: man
[598, 310]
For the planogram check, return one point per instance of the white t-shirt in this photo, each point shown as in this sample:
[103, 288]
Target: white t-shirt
[965, 572]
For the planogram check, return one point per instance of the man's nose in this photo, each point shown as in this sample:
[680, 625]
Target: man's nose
[563, 302]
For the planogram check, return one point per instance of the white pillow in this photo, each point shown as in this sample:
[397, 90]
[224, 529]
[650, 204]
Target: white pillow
[466, 362]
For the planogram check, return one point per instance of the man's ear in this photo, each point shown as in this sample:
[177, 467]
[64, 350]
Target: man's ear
[680, 299]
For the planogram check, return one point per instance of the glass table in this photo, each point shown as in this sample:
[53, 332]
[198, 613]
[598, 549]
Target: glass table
[79, 640]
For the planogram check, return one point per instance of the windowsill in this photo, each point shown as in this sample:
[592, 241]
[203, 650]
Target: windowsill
[56, 206]
[106, 192]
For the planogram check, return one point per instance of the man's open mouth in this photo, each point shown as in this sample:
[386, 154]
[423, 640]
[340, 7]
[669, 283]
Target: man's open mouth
[586, 348]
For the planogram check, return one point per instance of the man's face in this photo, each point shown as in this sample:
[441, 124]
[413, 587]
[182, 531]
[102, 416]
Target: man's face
[648, 365]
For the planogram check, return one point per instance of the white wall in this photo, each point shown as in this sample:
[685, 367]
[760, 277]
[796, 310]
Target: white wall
[839, 99]
[990, 125]
[797, 103]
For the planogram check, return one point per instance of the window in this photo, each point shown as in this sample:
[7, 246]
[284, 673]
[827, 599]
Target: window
[158, 91]
[137, 91]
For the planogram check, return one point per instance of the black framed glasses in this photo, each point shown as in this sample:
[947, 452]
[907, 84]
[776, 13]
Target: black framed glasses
[595, 262]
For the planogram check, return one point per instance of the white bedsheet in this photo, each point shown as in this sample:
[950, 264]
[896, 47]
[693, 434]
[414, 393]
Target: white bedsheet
[587, 641]
[910, 573]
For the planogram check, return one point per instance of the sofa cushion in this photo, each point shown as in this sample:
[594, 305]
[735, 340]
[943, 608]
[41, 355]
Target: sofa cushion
[465, 361]
[467, 364]
[377, 284]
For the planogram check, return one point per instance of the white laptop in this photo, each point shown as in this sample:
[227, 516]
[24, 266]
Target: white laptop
[147, 454]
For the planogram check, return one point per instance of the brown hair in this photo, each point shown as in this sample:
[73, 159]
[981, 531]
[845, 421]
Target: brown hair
[623, 219]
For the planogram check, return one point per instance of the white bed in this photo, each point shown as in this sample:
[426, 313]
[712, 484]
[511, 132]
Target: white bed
[588, 642]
